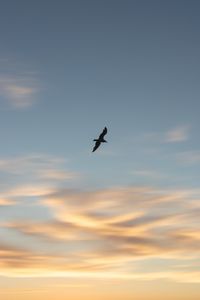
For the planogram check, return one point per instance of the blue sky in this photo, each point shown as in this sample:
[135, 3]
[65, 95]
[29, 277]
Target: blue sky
[133, 67]
[69, 68]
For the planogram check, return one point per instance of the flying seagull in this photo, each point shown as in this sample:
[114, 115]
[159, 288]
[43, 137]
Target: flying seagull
[100, 139]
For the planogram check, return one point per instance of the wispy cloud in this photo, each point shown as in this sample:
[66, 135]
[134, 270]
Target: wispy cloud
[178, 134]
[38, 165]
[90, 233]
[174, 135]
[5, 202]
[10, 253]
[148, 174]
[55, 174]
[19, 92]
[18, 86]
[30, 176]
[189, 157]
[109, 230]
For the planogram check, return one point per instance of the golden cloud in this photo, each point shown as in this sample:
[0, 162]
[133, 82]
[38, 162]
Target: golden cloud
[109, 230]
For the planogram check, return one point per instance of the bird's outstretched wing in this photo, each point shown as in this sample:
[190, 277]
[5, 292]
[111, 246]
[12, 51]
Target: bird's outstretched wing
[103, 133]
[97, 144]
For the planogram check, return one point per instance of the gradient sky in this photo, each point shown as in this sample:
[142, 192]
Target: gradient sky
[123, 222]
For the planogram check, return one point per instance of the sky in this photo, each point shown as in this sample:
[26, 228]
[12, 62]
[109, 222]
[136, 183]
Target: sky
[122, 222]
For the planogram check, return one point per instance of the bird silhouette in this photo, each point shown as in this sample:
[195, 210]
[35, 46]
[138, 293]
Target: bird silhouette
[100, 139]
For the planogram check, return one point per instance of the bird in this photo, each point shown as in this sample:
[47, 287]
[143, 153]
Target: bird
[100, 139]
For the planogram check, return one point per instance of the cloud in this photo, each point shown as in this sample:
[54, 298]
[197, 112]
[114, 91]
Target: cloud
[31, 177]
[52, 230]
[152, 174]
[178, 134]
[189, 157]
[53, 174]
[12, 256]
[6, 202]
[28, 191]
[43, 167]
[19, 86]
[19, 91]
[130, 222]
[91, 232]
[174, 135]
[110, 230]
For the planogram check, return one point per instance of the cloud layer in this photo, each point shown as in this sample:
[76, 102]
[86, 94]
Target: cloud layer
[106, 233]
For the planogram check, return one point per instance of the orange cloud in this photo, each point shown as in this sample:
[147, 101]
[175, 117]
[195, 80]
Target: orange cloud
[5, 202]
[109, 230]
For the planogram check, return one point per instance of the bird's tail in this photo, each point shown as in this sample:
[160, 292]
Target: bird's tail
[95, 140]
